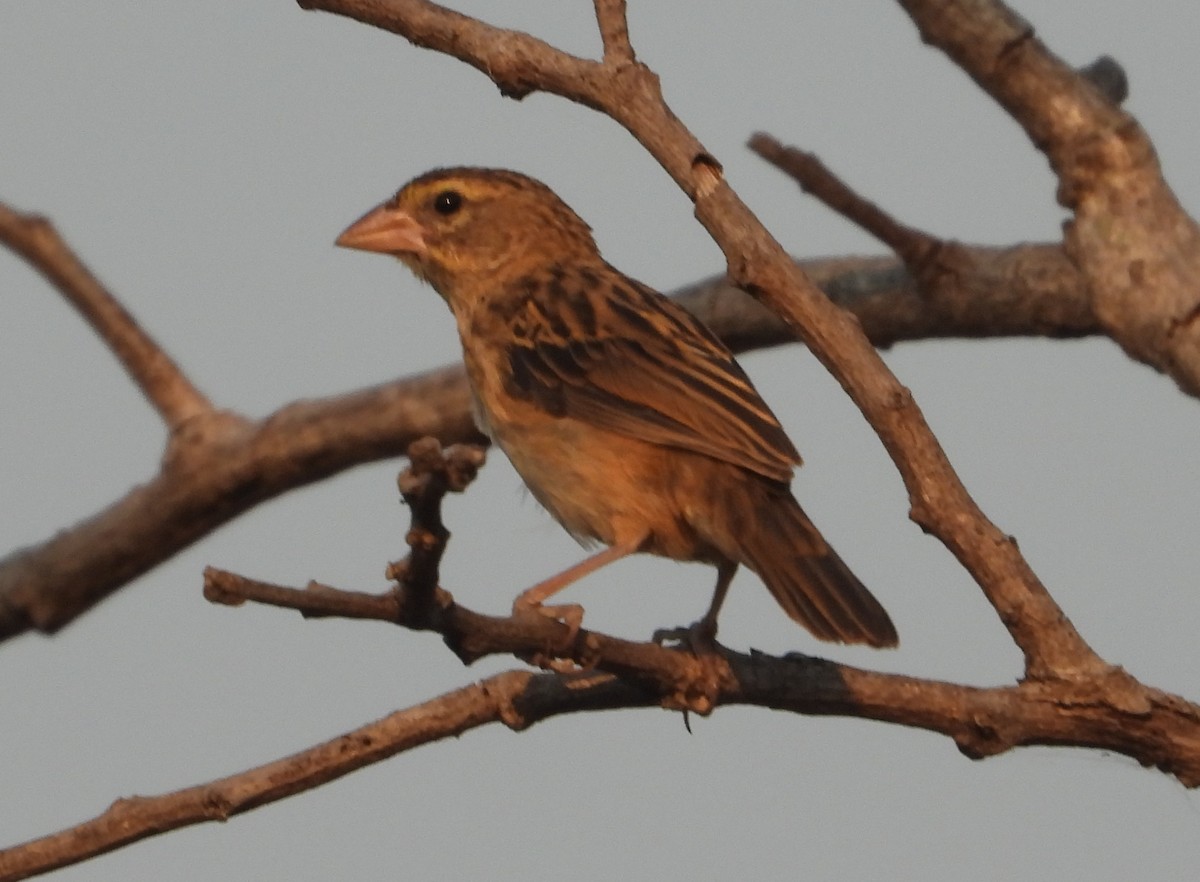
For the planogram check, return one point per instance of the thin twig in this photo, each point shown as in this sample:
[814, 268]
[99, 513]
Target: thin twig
[807, 170]
[160, 379]
[431, 474]
[614, 31]
[943, 270]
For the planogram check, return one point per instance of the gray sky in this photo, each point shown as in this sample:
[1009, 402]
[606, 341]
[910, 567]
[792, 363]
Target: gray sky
[202, 157]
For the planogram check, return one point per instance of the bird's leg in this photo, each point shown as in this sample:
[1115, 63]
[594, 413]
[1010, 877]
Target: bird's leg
[706, 628]
[570, 614]
[701, 637]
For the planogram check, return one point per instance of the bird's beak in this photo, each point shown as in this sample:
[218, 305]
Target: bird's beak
[387, 230]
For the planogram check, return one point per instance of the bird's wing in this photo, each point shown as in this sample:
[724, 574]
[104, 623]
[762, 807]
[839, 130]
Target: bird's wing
[600, 348]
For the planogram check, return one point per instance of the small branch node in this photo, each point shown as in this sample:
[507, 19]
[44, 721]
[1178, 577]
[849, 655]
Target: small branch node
[1107, 75]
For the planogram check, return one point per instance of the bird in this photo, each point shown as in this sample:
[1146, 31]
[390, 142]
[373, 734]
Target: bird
[630, 422]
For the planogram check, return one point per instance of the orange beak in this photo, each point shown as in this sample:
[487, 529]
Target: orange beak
[385, 229]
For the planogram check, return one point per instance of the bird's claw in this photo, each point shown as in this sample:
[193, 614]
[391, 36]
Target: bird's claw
[700, 692]
[699, 638]
[569, 614]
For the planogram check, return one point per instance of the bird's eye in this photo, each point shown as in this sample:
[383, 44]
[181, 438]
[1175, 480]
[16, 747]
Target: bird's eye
[447, 202]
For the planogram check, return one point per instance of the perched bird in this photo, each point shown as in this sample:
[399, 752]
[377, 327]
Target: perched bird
[626, 417]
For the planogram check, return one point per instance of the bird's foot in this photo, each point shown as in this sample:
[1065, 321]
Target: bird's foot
[701, 690]
[699, 638]
[568, 614]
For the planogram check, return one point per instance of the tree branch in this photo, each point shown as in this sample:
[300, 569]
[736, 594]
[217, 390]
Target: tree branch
[1107, 709]
[160, 379]
[614, 31]
[1137, 248]
[806, 169]
[1109, 712]
[219, 466]
[950, 276]
[516, 698]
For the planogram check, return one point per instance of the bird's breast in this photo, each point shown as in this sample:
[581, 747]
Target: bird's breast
[600, 485]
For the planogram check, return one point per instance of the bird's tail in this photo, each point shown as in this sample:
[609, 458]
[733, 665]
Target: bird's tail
[808, 579]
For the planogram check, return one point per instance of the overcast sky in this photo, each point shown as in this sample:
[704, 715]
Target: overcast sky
[202, 158]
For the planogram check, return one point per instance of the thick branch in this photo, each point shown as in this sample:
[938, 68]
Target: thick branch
[217, 468]
[1105, 708]
[160, 379]
[1137, 247]
[516, 62]
[940, 503]
[1026, 290]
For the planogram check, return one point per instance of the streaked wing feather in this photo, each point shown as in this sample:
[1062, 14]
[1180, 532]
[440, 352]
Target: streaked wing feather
[642, 366]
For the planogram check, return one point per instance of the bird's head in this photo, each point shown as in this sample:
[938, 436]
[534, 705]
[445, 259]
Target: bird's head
[463, 228]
